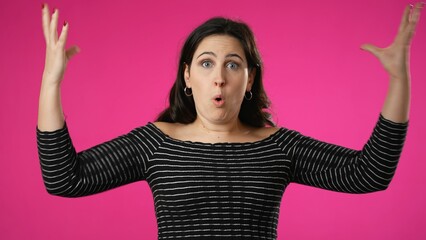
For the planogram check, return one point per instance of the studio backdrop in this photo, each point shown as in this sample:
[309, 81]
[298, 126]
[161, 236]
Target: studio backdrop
[319, 81]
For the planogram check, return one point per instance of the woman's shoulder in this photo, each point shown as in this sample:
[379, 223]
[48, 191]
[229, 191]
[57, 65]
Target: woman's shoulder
[168, 129]
[166, 126]
[265, 132]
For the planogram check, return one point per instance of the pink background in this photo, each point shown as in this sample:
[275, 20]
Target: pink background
[318, 79]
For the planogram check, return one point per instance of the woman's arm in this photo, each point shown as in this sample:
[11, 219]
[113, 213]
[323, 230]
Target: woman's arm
[395, 60]
[120, 161]
[341, 169]
[50, 115]
[66, 172]
[337, 168]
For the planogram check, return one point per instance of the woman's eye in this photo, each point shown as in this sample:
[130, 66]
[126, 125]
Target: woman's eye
[232, 65]
[206, 64]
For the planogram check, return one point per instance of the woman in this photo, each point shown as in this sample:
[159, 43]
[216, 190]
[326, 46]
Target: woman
[215, 162]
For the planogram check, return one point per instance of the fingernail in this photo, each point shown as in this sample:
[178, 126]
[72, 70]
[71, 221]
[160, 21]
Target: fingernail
[54, 10]
[42, 5]
[65, 23]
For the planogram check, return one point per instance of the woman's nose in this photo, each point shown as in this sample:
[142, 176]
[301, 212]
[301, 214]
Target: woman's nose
[220, 78]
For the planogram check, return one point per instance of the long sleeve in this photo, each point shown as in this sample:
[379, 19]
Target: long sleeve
[108, 165]
[336, 168]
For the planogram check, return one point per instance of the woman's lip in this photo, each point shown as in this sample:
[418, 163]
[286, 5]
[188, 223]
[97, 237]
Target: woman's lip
[218, 103]
[218, 100]
[218, 96]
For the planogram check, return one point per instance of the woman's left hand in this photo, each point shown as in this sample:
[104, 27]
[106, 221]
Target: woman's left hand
[395, 57]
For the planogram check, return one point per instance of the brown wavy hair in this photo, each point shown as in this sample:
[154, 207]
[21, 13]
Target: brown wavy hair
[253, 112]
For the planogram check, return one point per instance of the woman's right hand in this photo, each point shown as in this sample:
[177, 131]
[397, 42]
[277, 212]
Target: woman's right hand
[56, 55]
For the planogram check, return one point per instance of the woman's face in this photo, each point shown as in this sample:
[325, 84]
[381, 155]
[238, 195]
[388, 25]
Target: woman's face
[219, 78]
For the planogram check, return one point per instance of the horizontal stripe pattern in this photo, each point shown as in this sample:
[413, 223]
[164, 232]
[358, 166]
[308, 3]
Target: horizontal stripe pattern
[108, 165]
[341, 169]
[221, 190]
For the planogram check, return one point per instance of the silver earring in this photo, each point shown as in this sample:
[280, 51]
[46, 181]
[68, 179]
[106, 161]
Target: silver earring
[249, 97]
[188, 94]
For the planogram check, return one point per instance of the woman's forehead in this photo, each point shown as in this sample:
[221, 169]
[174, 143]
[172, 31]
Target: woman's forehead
[220, 46]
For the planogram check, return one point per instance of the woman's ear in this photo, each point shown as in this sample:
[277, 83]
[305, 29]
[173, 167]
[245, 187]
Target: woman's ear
[252, 75]
[186, 75]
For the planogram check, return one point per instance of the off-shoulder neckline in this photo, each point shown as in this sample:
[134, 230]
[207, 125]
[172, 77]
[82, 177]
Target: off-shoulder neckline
[189, 142]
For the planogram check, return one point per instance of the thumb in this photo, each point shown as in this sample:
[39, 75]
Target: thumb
[371, 48]
[70, 52]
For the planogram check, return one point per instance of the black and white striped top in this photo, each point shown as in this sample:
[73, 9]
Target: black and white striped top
[220, 190]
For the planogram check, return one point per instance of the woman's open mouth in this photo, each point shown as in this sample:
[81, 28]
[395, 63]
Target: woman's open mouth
[218, 101]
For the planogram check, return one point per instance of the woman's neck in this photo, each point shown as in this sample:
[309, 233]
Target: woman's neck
[219, 128]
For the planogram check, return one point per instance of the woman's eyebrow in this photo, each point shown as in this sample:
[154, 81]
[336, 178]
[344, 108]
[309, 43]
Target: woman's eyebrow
[234, 55]
[227, 56]
[209, 53]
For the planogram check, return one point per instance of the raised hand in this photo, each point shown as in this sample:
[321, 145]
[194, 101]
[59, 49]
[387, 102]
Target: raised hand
[396, 60]
[395, 57]
[56, 55]
[50, 114]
